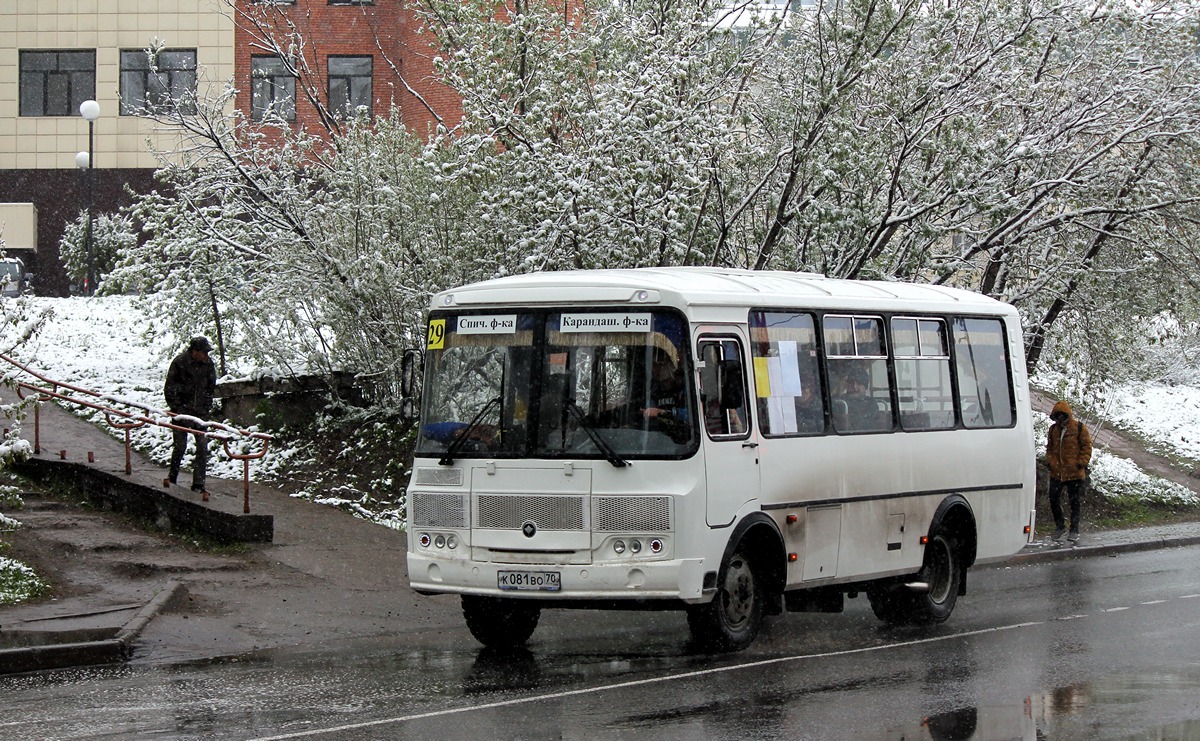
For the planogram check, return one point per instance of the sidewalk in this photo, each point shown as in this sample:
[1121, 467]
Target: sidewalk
[1105, 542]
[326, 576]
[127, 594]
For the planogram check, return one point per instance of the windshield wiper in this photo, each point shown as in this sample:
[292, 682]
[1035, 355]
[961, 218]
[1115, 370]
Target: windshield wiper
[610, 455]
[462, 438]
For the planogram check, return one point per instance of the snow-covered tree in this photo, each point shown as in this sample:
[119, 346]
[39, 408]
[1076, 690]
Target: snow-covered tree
[594, 132]
[111, 235]
[1039, 151]
[1006, 147]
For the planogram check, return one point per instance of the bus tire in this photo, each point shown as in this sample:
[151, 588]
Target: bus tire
[942, 570]
[500, 623]
[894, 604]
[890, 604]
[732, 619]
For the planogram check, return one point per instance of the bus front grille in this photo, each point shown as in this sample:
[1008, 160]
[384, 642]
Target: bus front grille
[439, 510]
[500, 512]
[631, 514]
[438, 476]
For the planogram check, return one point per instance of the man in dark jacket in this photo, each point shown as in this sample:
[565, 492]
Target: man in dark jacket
[191, 382]
[1068, 453]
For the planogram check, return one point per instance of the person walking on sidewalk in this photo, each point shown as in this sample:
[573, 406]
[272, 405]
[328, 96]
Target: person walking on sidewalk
[191, 382]
[1068, 453]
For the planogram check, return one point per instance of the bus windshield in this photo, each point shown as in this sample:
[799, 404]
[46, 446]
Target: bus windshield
[552, 384]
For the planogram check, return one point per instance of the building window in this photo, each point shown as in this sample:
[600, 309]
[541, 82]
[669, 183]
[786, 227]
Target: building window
[350, 85]
[160, 83]
[54, 83]
[351, 2]
[273, 89]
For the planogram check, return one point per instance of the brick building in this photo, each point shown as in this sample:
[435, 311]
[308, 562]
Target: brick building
[315, 62]
[350, 57]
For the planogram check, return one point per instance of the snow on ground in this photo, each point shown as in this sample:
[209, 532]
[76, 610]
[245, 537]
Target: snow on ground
[100, 344]
[1167, 415]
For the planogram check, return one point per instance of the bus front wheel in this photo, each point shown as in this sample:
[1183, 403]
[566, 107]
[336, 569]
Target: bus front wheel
[732, 619]
[500, 623]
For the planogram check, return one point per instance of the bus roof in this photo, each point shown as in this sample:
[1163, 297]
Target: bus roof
[704, 286]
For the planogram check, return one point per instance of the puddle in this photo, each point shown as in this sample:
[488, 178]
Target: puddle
[1063, 712]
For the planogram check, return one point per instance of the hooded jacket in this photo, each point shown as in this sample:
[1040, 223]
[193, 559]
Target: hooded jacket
[190, 385]
[1068, 447]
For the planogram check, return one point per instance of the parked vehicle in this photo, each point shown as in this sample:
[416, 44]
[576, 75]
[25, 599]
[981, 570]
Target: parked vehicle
[13, 279]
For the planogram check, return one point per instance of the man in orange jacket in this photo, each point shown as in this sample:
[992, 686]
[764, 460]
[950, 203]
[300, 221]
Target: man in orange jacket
[1068, 453]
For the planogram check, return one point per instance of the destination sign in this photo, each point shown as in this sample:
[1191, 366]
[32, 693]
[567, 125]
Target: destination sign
[621, 322]
[488, 324]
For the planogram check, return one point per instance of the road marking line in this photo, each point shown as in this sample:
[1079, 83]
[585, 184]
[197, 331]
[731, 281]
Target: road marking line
[642, 682]
[1113, 609]
[1154, 602]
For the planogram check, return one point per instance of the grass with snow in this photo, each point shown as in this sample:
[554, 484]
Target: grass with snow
[18, 582]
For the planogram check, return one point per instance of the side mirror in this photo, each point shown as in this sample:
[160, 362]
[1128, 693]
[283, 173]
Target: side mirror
[410, 368]
[408, 409]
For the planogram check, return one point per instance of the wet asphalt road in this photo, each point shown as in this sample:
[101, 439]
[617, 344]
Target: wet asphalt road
[1103, 647]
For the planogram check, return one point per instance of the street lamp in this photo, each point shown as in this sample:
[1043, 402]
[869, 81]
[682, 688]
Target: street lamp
[90, 110]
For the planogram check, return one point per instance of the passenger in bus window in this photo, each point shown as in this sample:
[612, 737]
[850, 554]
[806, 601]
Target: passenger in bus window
[852, 400]
[810, 417]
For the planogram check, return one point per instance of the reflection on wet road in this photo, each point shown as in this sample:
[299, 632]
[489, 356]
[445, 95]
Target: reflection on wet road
[1094, 648]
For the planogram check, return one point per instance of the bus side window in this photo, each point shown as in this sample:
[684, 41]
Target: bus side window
[787, 377]
[985, 396]
[856, 360]
[722, 388]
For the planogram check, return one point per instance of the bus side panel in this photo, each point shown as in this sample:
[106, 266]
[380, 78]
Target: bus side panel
[888, 487]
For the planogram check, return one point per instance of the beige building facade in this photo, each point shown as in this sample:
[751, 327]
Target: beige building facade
[56, 53]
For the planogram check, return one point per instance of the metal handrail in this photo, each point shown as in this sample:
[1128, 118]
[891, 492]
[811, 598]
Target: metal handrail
[129, 421]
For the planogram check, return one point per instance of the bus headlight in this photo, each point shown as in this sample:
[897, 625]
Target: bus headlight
[440, 541]
[635, 546]
[619, 546]
[656, 546]
[451, 541]
[424, 540]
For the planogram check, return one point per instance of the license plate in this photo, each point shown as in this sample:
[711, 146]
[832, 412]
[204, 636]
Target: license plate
[531, 581]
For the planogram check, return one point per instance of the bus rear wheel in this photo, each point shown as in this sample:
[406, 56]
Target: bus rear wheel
[733, 618]
[941, 571]
[500, 623]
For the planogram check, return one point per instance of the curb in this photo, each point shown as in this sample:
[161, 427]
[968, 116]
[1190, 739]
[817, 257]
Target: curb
[89, 653]
[1103, 549]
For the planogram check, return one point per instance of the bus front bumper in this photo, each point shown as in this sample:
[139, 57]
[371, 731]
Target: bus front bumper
[681, 579]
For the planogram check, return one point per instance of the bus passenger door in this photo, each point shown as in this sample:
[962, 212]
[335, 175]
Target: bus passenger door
[730, 444]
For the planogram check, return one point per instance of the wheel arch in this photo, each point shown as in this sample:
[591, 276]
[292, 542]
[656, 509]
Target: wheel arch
[955, 517]
[764, 542]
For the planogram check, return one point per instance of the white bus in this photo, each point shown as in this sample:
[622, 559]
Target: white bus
[731, 443]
